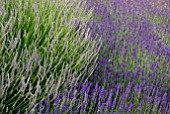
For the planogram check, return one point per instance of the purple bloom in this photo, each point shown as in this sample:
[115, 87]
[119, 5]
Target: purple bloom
[150, 99]
[72, 96]
[40, 106]
[56, 101]
[19, 111]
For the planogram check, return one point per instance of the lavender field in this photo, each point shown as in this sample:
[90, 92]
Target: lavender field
[84, 57]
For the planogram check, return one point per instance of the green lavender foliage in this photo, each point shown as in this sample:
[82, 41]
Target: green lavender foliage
[45, 47]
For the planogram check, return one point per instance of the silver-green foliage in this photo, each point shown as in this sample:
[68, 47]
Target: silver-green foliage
[45, 47]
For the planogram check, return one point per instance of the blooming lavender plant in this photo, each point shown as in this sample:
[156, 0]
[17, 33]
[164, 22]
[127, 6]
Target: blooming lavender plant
[133, 71]
[133, 51]
[132, 75]
[90, 98]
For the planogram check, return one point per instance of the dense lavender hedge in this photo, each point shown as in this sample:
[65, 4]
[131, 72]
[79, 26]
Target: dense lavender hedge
[132, 73]
[135, 55]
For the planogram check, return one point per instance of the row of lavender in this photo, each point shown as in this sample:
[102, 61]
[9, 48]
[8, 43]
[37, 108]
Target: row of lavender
[135, 54]
[133, 67]
[133, 71]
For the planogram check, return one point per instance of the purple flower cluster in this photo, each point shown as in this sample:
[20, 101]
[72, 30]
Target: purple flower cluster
[131, 98]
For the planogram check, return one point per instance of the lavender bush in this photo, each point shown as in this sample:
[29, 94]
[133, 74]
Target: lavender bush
[132, 74]
[133, 71]
[45, 47]
[134, 52]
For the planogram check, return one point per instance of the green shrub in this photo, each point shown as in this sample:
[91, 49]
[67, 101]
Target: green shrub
[45, 47]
